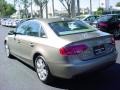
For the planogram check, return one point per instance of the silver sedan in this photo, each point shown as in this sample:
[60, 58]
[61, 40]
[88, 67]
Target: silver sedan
[61, 47]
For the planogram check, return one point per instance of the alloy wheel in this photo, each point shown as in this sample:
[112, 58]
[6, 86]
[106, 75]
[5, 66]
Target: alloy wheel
[41, 69]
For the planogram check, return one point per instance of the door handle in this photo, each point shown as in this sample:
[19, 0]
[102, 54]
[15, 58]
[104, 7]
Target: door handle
[31, 44]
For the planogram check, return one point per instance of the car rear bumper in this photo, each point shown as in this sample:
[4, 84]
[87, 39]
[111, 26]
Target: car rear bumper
[70, 70]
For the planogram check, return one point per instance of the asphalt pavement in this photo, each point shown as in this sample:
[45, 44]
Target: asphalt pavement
[15, 75]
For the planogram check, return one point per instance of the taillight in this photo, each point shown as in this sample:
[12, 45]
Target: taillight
[103, 24]
[72, 50]
[113, 40]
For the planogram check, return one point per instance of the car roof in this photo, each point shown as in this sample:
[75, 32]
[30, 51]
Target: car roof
[50, 20]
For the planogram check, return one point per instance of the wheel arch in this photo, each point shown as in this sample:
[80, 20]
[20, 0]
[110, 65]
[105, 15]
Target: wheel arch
[34, 56]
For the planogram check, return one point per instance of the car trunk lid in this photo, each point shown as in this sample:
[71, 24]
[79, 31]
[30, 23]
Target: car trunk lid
[99, 44]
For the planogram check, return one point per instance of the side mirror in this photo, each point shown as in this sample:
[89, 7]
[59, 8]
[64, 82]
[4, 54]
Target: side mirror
[11, 32]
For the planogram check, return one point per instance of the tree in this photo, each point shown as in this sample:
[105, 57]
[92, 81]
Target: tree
[31, 8]
[41, 4]
[6, 9]
[99, 11]
[78, 7]
[67, 5]
[73, 13]
[9, 10]
[118, 4]
[90, 7]
[26, 4]
[46, 10]
[15, 1]
[53, 7]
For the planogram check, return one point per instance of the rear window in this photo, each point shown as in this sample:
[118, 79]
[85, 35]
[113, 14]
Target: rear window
[105, 18]
[70, 27]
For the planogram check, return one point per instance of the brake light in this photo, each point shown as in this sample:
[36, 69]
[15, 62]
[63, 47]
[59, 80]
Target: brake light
[113, 40]
[103, 24]
[72, 50]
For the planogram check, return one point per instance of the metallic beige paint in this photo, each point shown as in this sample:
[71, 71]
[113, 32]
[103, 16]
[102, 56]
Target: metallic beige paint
[25, 47]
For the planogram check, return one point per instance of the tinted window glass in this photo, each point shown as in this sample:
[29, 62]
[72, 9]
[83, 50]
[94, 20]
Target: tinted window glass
[105, 18]
[69, 27]
[91, 18]
[22, 28]
[33, 29]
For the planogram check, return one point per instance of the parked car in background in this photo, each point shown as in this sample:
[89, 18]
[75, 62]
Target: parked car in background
[9, 22]
[23, 20]
[61, 47]
[3, 21]
[90, 19]
[16, 22]
[110, 23]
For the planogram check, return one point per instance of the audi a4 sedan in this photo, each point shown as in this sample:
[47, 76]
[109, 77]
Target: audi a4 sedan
[63, 48]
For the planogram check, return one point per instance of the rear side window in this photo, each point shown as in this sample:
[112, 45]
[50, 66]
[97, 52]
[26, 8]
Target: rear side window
[22, 28]
[33, 29]
[69, 27]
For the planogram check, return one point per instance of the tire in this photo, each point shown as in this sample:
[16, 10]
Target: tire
[42, 70]
[7, 50]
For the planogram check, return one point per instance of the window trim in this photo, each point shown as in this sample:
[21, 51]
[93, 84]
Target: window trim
[42, 26]
[27, 24]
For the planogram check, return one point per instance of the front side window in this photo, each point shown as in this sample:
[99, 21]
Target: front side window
[70, 27]
[22, 28]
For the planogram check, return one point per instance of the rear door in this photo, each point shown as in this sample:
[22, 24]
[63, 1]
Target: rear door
[31, 39]
[32, 33]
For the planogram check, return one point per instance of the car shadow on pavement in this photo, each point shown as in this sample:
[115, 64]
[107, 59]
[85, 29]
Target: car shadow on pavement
[14, 58]
[108, 79]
